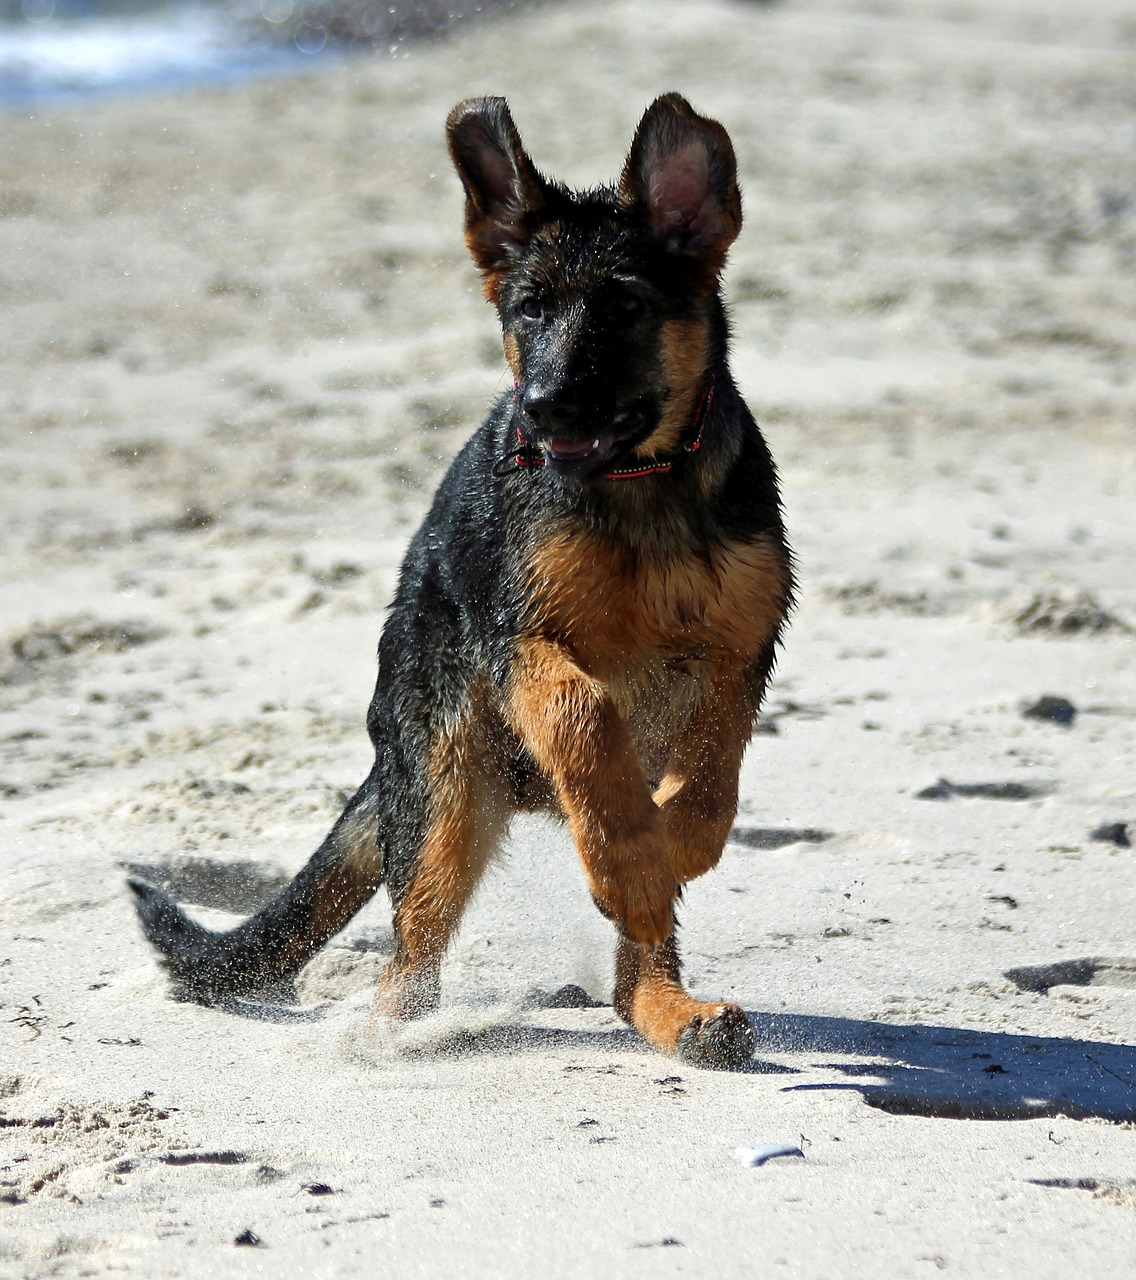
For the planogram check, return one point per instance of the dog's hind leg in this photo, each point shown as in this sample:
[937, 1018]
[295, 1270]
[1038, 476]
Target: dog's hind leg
[469, 807]
[650, 996]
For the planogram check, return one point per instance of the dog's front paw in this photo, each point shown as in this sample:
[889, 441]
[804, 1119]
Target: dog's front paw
[724, 1041]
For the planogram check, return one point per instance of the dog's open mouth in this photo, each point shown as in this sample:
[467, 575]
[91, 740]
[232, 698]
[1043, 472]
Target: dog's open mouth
[566, 453]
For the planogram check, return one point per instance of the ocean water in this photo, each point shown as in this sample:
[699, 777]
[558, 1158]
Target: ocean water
[49, 53]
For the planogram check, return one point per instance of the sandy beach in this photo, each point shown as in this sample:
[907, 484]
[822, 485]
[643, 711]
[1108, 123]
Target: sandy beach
[240, 339]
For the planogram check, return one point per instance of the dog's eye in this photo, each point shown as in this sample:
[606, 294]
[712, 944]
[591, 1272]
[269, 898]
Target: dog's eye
[532, 308]
[628, 305]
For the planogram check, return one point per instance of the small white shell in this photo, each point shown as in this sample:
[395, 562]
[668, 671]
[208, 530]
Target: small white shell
[751, 1157]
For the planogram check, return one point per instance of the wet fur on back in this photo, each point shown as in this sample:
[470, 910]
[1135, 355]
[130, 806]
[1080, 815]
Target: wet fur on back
[586, 620]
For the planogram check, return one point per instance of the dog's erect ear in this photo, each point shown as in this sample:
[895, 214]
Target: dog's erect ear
[502, 188]
[681, 170]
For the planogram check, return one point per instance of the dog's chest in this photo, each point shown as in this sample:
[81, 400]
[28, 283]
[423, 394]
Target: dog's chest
[650, 622]
[658, 631]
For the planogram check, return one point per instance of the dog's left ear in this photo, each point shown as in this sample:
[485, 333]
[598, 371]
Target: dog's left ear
[503, 190]
[681, 171]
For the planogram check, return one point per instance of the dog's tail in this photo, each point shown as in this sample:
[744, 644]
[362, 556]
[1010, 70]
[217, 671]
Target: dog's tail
[275, 944]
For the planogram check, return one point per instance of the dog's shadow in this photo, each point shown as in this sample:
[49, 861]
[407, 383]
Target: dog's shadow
[958, 1073]
[918, 1070]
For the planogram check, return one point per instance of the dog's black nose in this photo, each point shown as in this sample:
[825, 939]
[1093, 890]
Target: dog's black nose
[551, 412]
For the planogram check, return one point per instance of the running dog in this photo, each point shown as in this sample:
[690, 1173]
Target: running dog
[586, 620]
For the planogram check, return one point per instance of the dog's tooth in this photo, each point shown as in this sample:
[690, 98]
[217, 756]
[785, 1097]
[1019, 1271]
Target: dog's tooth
[596, 443]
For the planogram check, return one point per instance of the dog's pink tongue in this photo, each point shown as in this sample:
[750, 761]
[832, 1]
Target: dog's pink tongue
[562, 448]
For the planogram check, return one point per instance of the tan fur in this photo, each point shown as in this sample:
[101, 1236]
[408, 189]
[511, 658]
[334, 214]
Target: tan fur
[575, 733]
[490, 278]
[684, 357]
[470, 811]
[613, 609]
[631, 663]
[698, 794]
[512, 355]
[583, 701]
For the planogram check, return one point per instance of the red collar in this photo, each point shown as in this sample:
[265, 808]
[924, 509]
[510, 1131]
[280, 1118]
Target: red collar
[526, 456]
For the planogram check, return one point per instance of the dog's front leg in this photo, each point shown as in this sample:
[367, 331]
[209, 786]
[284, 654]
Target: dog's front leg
[698, 797]
[569, 723]
[571, 727]
[698, 794]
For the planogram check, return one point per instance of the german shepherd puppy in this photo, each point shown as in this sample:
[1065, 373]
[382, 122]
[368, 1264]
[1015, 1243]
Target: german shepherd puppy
[587, 618]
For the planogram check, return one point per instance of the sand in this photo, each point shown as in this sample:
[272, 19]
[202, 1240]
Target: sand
[240, 339]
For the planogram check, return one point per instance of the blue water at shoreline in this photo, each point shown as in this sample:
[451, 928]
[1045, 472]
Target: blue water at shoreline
[89, 54]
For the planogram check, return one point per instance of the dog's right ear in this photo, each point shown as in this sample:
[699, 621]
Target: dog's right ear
[502, 188]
